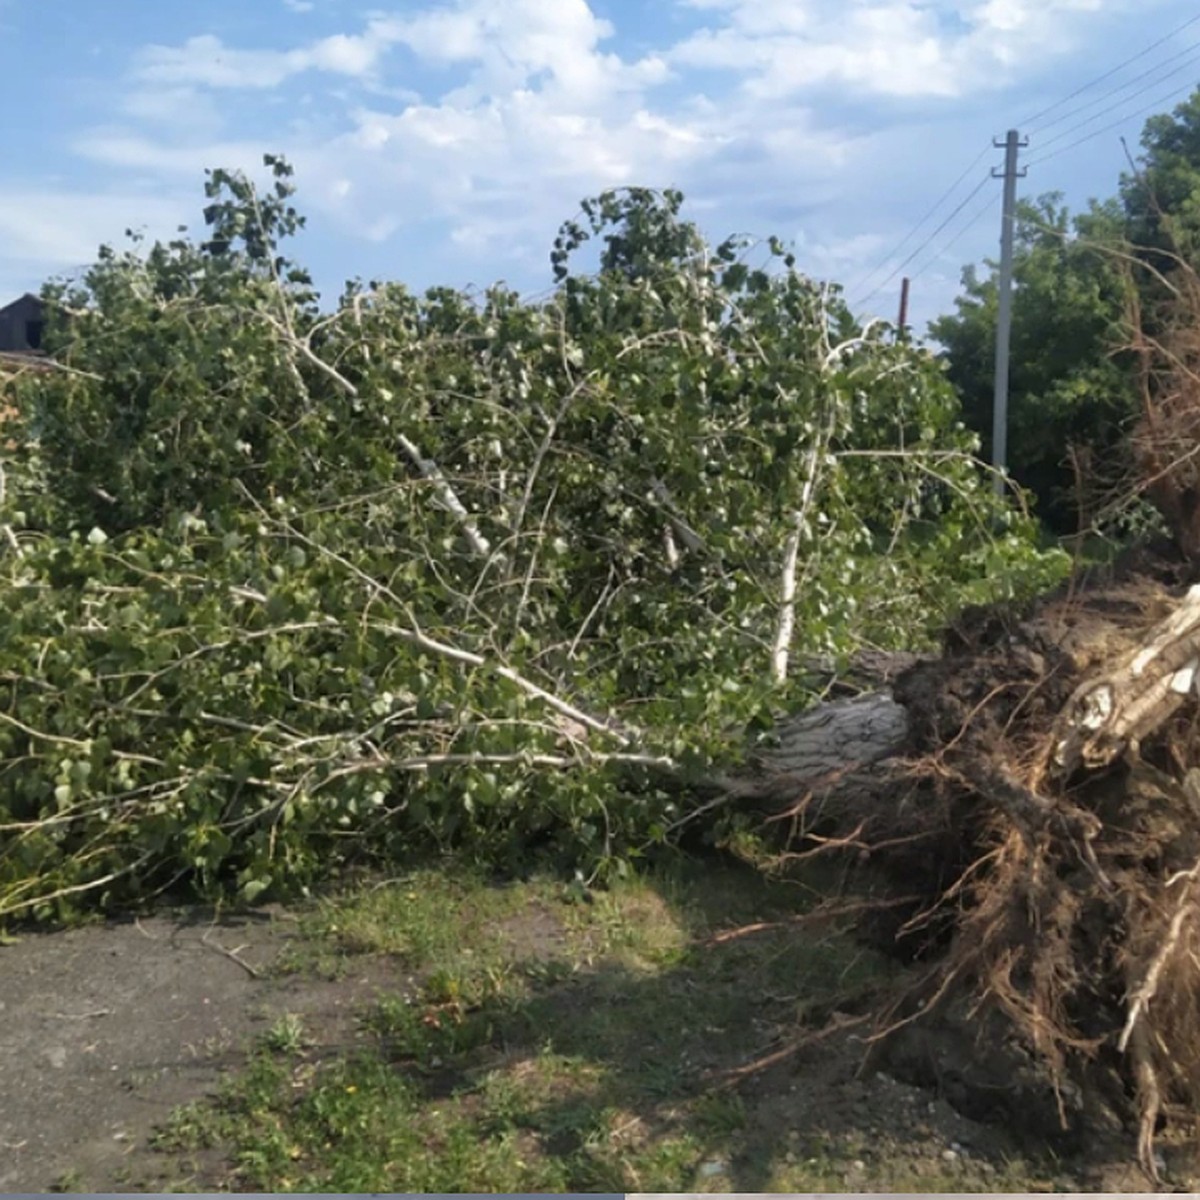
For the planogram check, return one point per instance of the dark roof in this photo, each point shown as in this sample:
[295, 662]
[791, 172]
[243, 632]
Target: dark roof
[21, 325]
[27, 299]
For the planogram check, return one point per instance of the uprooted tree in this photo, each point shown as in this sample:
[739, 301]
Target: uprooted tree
[283, 587]
[1031, 797]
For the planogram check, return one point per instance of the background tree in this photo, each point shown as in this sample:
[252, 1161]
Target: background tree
[1160, 194]
[1070, 391]
[1075, 386]
[1161, 198]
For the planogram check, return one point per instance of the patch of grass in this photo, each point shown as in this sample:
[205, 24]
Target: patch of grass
[312, 956]
[549, 1044]
[355, 1125]
[451, 919]
[633, 924]
[426, 916]
[191, 1127]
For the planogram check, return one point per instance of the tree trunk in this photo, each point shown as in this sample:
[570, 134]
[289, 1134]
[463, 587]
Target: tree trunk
[832, 746]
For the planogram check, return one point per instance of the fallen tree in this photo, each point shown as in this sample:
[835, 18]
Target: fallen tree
[280, 587]
[494, 576]
[1033, 793]
[1034, 790]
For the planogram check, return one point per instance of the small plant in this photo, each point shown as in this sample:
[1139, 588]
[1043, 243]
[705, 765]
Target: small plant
[286, 1035]
[70, 1180]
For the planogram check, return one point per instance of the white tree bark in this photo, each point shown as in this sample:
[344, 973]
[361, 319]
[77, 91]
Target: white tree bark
[447, 496]
[781, 652]
[1111, 711]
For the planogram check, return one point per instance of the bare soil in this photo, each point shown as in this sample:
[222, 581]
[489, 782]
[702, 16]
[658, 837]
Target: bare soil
[105, 1028]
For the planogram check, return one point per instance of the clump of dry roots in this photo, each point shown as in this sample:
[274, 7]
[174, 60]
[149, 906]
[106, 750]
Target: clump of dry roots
[1044, 805]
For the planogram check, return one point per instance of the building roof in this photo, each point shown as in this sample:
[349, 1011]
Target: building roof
[28, 298]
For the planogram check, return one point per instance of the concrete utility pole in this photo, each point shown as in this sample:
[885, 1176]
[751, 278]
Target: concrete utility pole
[903, 321]
[1012, 143]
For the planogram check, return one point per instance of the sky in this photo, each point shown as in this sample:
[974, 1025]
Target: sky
[444, 141]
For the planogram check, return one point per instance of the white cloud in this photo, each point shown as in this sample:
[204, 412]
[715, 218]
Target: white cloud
[120, 148]
[186, 110]
[344, 55]
[206, 61]
[901, 48]
[838, 258]
[539, 112]
[528, 105]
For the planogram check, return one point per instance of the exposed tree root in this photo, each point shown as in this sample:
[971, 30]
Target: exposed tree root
[1033, 798]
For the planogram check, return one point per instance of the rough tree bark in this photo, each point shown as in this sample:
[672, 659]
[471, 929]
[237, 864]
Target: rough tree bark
[834, 747]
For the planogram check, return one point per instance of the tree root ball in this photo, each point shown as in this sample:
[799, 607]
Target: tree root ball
[1041, 812]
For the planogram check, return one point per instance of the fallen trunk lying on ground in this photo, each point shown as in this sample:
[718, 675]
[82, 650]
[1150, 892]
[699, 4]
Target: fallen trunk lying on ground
[1036, 789]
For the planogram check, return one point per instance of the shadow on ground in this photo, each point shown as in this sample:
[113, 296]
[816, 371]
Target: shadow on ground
[460, 1037]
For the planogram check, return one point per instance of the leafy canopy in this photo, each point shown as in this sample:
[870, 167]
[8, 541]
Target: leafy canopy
[282, 587]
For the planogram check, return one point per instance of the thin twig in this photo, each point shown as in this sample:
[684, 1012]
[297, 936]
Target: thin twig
[232, 955]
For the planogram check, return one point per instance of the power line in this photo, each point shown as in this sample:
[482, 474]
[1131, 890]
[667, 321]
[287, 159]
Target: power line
[1058, 137]
[1110, 73]
[976, 216]
[1188, 50]
[1155, 103]
[1186, 53]
[954, 213]
[891, 254]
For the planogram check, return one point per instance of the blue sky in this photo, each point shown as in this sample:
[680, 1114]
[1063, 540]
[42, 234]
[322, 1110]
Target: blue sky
[443, 141]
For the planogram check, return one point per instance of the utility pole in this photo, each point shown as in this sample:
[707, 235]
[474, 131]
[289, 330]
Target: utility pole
[1012, 143]
[900, 324]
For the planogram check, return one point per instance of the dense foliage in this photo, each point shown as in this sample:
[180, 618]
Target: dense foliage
[1084, 287]
[1070, 390]
[281, 585]
[1160, 196]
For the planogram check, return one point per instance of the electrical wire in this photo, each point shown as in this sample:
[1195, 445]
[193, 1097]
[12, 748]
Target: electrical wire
[978, 213]
[891, 254]
[1188, 51]
[954, 213]
[1157, 102]
[990, 202]
[1058, 137]
[1037, 116]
